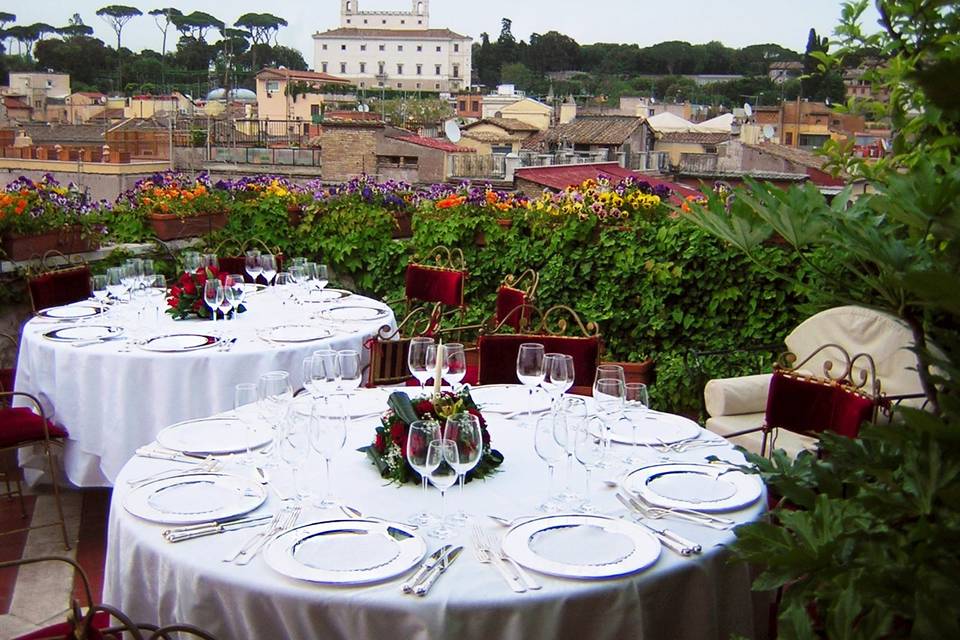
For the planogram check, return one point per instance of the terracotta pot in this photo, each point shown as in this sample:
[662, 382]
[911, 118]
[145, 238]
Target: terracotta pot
[506, 223]
[480, 238]
[402, 224]
[65, 240]
[294, 215]
[169, 226]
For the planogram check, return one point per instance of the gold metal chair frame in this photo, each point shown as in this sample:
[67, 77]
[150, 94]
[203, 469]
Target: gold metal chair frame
[418, 322]
[555, 321]
[43, 266]
[82, 617]
[14, 474]
[530, 277]
[445, 258]
[243, 247]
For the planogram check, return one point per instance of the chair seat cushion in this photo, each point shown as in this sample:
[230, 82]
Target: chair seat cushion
[435, 284]
[20, 425]
[101, 620]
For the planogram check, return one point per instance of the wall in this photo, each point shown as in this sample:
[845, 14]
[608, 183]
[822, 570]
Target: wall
[348, 150]
[103, 181]
[431, 163]
[676, 149]
[530, 112]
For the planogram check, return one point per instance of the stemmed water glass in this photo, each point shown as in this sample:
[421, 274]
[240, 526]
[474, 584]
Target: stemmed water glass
[575, 413]
[246, 409]
[252, 264]
[530, 369]
[324, 373]
[636, 404]
[284, 286]
[456, 364]
[348, 366]
[417, 360]
[213, 296]
[557, 376]
[327, 438]
[419, 437]
[608, 390]
[589, 451]
[147, 271]
[550, 448]
[322, 276]
[98, 286]
[294, 444]
[274, 396]
[191, 261]
[441, 456]
[129, 277]
[156, 288]
[268, 267]
[239, 285]
[464, 430]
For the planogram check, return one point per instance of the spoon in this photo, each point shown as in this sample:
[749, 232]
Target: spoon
[353, 512]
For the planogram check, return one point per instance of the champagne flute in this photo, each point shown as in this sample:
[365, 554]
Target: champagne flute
[530, 369]
[213, 296]
[575, 412]
[589, 451]
[268, 267]
[245, 408]
[441, 455]
[417, 360]
[551, 450]
[636, 405]
[252, 264]
[98, 285]
[348, 366]
[294, 444]
[456, 364]
[274, 396]
[327, 438]
[464, 430]
[608, 396]
[419, 436]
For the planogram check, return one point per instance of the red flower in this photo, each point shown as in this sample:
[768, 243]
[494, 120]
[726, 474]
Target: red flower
[380, 443]
[485, 435]
[190, 289]
[398, 433]
[423, 407]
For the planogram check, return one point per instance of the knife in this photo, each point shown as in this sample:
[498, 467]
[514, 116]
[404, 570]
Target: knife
[424, 568]
[444, 564]
[172, 535]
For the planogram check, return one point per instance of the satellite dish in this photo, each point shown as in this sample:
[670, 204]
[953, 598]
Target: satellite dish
[452, 131]
[827, 101]
[363, 108]
[768, 131]
[747, 109]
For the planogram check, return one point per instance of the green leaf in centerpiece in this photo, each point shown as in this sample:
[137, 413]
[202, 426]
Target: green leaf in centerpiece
[403, 407]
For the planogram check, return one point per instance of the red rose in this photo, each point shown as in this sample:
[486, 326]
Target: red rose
[398, 433]
[190, 289]
[175, 290]
[185, 279]
[423, 407]
[380, 444]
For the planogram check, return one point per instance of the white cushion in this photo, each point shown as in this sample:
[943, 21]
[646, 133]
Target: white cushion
[790, 442]
[734, 396]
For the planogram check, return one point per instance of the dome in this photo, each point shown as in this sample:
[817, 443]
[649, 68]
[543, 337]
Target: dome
[236, 95]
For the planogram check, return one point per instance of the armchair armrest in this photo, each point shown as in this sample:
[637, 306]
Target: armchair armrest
[735, 396]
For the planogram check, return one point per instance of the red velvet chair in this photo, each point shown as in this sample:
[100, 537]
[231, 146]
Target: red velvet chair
[440, 283]
[56, 287]
[26, 427]
[232, 256]
[498, 351]
[8, 361]
[514, 293]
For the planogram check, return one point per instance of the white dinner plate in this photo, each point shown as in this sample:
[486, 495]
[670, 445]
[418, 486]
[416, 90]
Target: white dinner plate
[195, 497]
[581, 546]
[703, 487]
[655, 429]
[354, 313]
[296, 333]
[326, 295]
[214, 435]
[71, 311]
[180, 342]
[83, 332]
[361, 402]
[345, 552]
[505, 398]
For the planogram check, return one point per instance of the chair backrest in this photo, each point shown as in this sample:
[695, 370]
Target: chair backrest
[8, 361]
[441, 278]
[513, 293]
[840, 401]
[232, 259]
[59, 287]
[389, 348]
[498, 351]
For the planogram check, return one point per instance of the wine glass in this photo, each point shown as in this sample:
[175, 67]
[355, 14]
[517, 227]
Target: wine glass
[246, 409]
[570, 376]
[323, 276]
[324, 373]
[229, 302]
[115, 286]
[210, 260]
[436, 352]
[191, 261]
[589, 451]
[284, 286]
[551, 450]
[441, 456]
[419, 436]
[417, 360]
[456, 364]
[98, 285]
[156, 289]
[274, 396]
[464, 430]
[129, 277]
[636, 404]
[348, 365]
[555, 379]
[252, 264]
[608, 396]
[239, 283]
[327, 438]
[294, 444]
[530, 369]
[147, 271]
[268, 267]
[575, 412]
[213, 296]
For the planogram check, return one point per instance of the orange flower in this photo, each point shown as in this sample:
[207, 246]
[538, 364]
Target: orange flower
[451, 201]
[685, 206]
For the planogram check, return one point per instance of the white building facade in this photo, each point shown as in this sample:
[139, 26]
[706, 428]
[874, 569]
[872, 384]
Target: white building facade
[394, 50]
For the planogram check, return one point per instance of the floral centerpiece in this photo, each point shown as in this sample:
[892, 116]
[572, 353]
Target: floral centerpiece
[185, 298]
[388, 451]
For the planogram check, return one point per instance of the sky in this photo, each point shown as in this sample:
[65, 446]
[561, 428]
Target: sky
[735, 23]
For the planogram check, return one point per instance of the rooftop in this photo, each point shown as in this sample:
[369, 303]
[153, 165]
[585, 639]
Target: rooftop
[693, 137]
[757, 175]
[596, 130]
[507, 124]
[397, 34]
[801, 157]
[60, 133]
[560, 177]
[434, 143]
[292, 74]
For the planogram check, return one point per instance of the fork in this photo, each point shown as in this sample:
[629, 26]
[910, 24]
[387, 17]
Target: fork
[287, 519]
[484, 556]
[696, 517]
[496, 547]
[205, 466]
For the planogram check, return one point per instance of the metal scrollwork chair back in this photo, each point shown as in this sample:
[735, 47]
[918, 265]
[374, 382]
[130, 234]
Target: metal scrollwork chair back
[58, 281]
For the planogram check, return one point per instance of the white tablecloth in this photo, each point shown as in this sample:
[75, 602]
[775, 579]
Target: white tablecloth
[695, 598]
[112, 402]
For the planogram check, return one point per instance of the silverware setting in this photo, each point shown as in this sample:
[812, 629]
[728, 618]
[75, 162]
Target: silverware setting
[424, 568]
[673, 541]
[89, 343]
[640, 505]
[438, 570]
[179, 534]
[157, 452]
[353, 512]
[281, 522]
[204, 466]
[485, 555]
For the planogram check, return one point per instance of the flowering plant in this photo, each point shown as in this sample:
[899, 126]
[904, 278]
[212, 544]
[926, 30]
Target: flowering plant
[388, 451]
[602, 199]
[173, 192]
[28, 207]
[264, 188]
[185, 298]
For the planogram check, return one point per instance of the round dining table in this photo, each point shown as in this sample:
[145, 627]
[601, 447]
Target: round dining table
[115, 395]
[677, 596]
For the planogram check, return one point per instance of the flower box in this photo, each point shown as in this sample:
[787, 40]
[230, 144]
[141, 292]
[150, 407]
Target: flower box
[169, 226]
[294, 215]
[65, 240]
[402, 224]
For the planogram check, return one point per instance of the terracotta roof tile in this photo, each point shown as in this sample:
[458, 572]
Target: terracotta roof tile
[507, 124]
[801, 157]
[435, 143]
[693, 137]
[599, 130]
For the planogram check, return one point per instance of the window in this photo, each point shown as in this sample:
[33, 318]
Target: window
[456, 71]
[343, 67]
[348, 20]
[399, 85]
[343, 47]
[363, 47]
[419, 48]
[379, 84]
[419, 21]
[363, 67]
[436, 70]
[364, 21]
[399, 69]
[399, 47]
[323, 67]
[418, 85]
[273, 85]
[314, 110]
[403, 22]
[383, 47]
[419, 69]
[363, 84]
[380, 66]
[438, 85]
[438, 49]
[462, 105]
[475, 105]
[324, 47]
[384, 21]
[456, 48]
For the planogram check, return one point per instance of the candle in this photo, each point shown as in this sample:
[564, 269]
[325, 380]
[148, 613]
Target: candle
[438, 370]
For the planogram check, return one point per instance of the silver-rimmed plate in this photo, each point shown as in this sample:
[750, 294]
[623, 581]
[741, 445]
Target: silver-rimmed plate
[506, 398]
[345, 552]
[195, 497]
[327, 295]
[83, 332]
[214, 435]
[654, 428]
[581, 546]
[354, 313]
[179, 342]
[296, 333]
[71, 312]
[704, 487]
